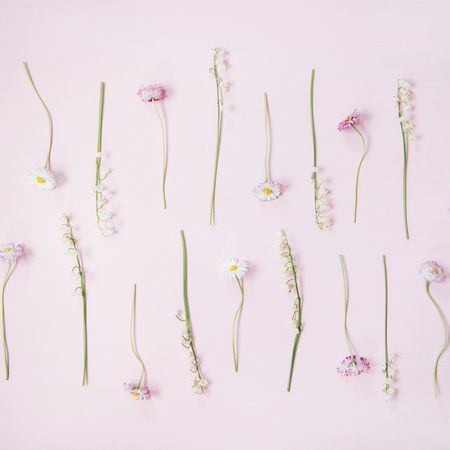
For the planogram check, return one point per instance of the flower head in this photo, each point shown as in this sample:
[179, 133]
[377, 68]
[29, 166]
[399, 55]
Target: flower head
[138, 393]
[234, 268]
[387, 387]
[267, 190]
[349, 121]
[152, 93]
[42, 178]
[10, 253]
[432, 271]
[353, 365]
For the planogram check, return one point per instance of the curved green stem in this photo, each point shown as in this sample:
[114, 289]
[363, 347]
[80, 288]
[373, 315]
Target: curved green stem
[344, 278]
[445, 345]
[364, 153]
[405, 172]
[133, 338]
[386, 304]
[267, 137]
[5, 343]
[235, 323]
[313, 131]
[98, 160]
[165, 155]
[47, 112]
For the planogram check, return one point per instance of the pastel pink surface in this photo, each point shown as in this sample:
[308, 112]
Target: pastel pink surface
[358, 50]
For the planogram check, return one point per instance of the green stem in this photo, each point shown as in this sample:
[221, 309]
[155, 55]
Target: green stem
[445, 345]
[344, 278]
[405, 170]
[313, 131]
[47, 112]
[235, 322]
[267, 137]
[364, 153]
[133, 338]
[84, 380]
[164, 148]
[386, 300]
[5, 344]
[98, 160]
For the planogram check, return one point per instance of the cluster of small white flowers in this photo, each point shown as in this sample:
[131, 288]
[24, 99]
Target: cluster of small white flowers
[199, 383]
[402, 98]
[387, 387]
[220, 64]
[322, 207]
[101, 197]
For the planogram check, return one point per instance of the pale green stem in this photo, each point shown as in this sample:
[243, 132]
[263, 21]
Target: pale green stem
[133, 338]
[364, 153]
[98, 160]
[164, 148]
[344, 278]
[313, 131]
[268, 140]
[5, 344]
[236, 322]
[386, 304]
[47, 112]
[445, 345]
[405, 172]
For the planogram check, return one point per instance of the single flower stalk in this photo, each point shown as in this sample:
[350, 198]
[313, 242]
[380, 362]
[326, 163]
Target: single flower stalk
[407, 128]
[219, 64]
[103, 217]
[139, 391]
[267, 189]
[42, 177]
[321, 205]
[350, 122]
[78, 272]
[234, 269]
[199, 383]
[9, 254]
[291, 272]
[155, 94]
[432, 272]
[352, 364]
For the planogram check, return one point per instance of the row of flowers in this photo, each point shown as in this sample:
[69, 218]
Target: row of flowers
[353, 364]
[268, 189]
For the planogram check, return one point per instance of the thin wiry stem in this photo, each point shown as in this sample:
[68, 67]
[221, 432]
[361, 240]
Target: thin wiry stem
[314, 140]
[98, 160]
[405, 171]
[386, 304]
[236, 320]
[164, 151]
[364, 153]
[268, 140]
[344, 279]
[133, 338]
[4, 340]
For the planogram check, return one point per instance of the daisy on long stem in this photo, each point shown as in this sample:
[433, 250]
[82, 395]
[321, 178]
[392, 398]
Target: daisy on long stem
[139, 391]
[433, 272]
[291, 271]
[155, 93]
[9, 254]
[219, 64]
[235, 270]
[78, 272]
[350, 122]
[352, 364]
[268, 189]
[42, 177]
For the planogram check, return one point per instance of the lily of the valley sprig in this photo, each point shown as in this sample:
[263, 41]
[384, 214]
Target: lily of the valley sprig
[291, 272]
[350, 122]
[102, 216]
[139, 391]
[42, 177]
[219, 64]
[80, 290]
[432, 272]
[351, 365]
[321, 205]
[267, 189]
[403, 106]
[387, 387]
[9, 254]
[199, 382]
[234, 269]
[156, 93]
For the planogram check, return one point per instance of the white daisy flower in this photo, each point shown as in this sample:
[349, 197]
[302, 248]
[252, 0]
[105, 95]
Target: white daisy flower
[235, 268]
[267, 190]
[42, 178]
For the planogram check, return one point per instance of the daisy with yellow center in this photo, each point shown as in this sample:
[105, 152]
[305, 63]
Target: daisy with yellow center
[234, 269]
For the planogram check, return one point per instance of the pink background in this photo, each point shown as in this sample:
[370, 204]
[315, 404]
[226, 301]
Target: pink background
[358, 51]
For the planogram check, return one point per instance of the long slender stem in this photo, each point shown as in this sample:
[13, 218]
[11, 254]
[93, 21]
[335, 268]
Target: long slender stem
[267, 137]
[47, 112]
[405, 172]
[364, 153]
[236, 319]
[98, 161]
[133, 338]
[84, 380]
[164, 149]
[314, 140]
[344, 279]
[445, 344]
[5, 343]
[386, 309]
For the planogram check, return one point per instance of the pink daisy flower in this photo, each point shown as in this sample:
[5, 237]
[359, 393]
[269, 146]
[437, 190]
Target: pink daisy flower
[353, 365]
[152, 93]
[138, 393]
[432, 271]
[10, 253]
[350, 120]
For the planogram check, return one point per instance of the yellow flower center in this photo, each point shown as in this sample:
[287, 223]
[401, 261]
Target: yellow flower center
[267, 191]
[40, 180]
[436, 270]
[8, 249]
[135, 394]
[233, 268]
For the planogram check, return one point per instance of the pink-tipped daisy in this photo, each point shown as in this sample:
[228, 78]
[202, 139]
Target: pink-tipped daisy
[152, 93]
[349, 121]
[138, 393]
[267, 190]
[10, 253]
[432, 271]
[353, 365]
